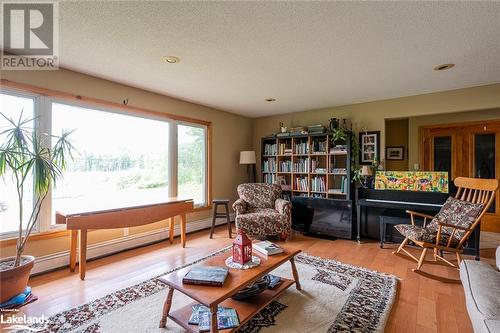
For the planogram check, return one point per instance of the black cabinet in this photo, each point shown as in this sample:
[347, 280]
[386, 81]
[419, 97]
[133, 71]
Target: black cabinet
[322, 217]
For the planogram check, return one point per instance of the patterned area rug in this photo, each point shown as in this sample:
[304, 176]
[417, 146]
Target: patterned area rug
[335, 298]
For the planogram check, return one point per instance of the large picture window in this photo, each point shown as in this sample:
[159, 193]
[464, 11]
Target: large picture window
[12, 108]
[122, 159]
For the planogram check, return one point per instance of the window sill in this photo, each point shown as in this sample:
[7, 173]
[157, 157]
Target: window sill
[37, 236]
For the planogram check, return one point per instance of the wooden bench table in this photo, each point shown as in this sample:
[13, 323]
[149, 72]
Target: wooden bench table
[80, 222]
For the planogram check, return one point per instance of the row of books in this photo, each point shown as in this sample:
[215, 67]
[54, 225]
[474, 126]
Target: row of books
[301, 165]
[301, 184]
[271, 149]
[286, 166]
[301, 148]
[269, 165]
[284, 149]
[270, 178]
[318, 184]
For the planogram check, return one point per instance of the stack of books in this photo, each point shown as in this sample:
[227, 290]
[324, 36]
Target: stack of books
[284, 149]
[226, 318]
[267, 248]
[206, 276]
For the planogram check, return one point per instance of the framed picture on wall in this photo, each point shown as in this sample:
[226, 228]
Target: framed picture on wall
[395, 153]
[369, 144]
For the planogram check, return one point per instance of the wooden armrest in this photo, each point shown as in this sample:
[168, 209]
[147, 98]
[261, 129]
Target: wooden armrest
[411, 212]
[453, 226]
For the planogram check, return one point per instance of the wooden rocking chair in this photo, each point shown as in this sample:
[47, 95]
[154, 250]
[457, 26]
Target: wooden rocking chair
[448, 237]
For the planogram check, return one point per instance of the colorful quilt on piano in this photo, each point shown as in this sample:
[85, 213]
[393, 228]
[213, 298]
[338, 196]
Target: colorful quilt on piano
[424, 181]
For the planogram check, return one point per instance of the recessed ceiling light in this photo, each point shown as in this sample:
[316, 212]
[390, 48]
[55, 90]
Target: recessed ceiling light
[171, 59]
[270, 99]
[443, 67]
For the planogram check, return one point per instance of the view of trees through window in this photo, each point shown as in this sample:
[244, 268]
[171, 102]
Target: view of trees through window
[120, 160]
[191, 162]
[13, 107]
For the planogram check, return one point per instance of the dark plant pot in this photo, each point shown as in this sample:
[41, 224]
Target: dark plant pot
[13, 281]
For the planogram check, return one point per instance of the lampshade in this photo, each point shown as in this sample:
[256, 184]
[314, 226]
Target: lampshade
[366, 170]
[247, 157]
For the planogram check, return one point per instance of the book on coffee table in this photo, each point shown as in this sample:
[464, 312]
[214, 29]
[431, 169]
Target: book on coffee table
[267, 248]
[206, 275]
[226, 318]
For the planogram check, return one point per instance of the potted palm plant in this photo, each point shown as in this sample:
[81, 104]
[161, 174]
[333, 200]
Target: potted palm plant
[26, 154]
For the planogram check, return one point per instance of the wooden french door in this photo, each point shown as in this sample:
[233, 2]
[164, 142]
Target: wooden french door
[468, 150]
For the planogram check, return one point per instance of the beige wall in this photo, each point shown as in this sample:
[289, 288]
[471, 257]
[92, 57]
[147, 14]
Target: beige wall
[449, 118]
[231, 134]
[371, 116]
[396, 135]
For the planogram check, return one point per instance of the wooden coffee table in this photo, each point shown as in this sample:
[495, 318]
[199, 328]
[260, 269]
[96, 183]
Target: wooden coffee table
[212, 297]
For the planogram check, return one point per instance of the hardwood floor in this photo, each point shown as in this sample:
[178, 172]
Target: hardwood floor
[422, 304]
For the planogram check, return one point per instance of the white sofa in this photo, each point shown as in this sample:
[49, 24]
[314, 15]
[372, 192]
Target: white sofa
[481, 283]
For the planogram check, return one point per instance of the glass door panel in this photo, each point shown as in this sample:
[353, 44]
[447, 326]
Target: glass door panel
[484, 158]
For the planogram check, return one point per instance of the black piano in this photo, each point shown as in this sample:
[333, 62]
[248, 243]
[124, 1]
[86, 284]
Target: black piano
[370, 204]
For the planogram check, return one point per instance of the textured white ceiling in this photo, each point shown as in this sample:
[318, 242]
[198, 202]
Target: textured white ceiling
[307, 55]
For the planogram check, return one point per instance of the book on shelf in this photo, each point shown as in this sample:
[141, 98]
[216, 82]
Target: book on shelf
[301, 148]
[301, 184]
[206, 275]
[226, 318]
[270, 178]
[286, 166]
[270, 149]
[318, 184]
[301, 165]
[269, 165]
[267, 248]
[283, 135]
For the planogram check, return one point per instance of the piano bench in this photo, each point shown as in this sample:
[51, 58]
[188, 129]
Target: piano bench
[390, 217]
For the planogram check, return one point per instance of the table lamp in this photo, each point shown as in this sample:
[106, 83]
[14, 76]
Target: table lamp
[366, 172]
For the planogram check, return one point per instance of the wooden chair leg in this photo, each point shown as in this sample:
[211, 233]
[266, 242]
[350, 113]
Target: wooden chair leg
[459, 259]
[403, 243]
[228, 221]
[421, 260]
[214, 214]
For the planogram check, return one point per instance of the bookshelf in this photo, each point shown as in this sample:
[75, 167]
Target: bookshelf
[308, 165]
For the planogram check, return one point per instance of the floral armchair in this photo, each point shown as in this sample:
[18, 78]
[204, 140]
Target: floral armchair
[260, 212]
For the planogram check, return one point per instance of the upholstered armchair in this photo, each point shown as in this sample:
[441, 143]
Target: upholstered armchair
[260, 212]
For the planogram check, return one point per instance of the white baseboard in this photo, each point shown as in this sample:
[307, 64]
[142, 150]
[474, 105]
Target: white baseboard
[61, 259]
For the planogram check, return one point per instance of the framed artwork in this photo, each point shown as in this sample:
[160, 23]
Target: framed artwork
[422, 181]
[395, 153]
[369, 144]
